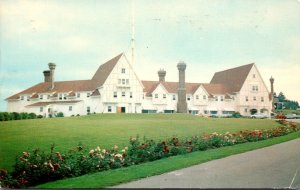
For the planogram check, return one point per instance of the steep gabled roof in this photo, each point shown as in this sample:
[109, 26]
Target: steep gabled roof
[216, 88]
[233, 78]
[104, 70]
[77, 85]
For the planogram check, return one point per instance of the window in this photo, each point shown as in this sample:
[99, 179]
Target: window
[115, 94]
[262, 99]
[254, 88]
[254, 98]
[70, 108]
[222, 98]
[65, 96]
[216, 98]
[123, 81]
[253, 76]
[41, 96]
[22, 97]
[246, 110]
[123, 94]
[127, 81]
[119, 81]
[78, 95]
[188, 98]
[41, 109]
[60, 96]
[109, 109]
[28, 98]
[174, 97]
[130, 94]
[205, 112]
[88, 94]
[164, 96]
[88, 109]
[204, 97]
[197, 97]
[156, 96]
[246, 98]
[123, 70]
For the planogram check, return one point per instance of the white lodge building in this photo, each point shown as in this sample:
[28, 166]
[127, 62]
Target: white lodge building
[115, 88]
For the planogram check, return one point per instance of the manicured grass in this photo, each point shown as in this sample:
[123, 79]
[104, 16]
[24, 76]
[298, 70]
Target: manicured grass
[114, 177]
[107, 130]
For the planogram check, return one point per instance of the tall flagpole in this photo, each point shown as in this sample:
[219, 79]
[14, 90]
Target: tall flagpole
[132, 32]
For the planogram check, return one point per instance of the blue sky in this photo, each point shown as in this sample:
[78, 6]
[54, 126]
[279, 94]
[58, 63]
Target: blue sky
[209, 35]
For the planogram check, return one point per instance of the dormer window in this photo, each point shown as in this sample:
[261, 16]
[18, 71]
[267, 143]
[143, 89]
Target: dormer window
[22, 97]
[88, 94]
[222, 98]
[60, 96]
[174, 97]
[188, 98]
[78, 95]
[164, 96]
[204, 97]
[156, 95]
[123, 70]
[253, 76]
[41, 96]
[197, 97]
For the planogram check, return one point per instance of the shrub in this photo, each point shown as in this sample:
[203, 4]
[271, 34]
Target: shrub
[39, 116]
[59, 114]
[2, 116]
[236, 115]
[32, 116]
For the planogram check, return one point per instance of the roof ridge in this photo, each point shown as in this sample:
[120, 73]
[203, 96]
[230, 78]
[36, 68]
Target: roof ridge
[238, 67]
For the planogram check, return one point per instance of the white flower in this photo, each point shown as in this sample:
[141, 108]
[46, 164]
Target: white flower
[91, 152]
[118, 155]
[98, 149]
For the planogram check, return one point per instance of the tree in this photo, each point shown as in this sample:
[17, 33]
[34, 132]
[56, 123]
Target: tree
[281, 97]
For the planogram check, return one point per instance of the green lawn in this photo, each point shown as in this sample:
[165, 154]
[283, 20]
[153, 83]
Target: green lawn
[107, 130]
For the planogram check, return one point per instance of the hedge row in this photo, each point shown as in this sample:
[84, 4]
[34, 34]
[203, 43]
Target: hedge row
[7, 116]
[36, 167]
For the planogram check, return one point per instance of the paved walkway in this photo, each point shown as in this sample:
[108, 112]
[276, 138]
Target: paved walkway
[277, 166]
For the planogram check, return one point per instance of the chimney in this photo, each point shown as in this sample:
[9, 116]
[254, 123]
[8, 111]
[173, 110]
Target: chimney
[161, 75]
[272, 92]
[52, 68]
[47, 76]
[181, 103]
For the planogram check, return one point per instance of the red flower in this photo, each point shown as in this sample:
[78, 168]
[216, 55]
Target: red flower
[166, 149]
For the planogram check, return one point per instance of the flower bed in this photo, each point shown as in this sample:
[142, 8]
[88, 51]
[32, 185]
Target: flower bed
[38, 167]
